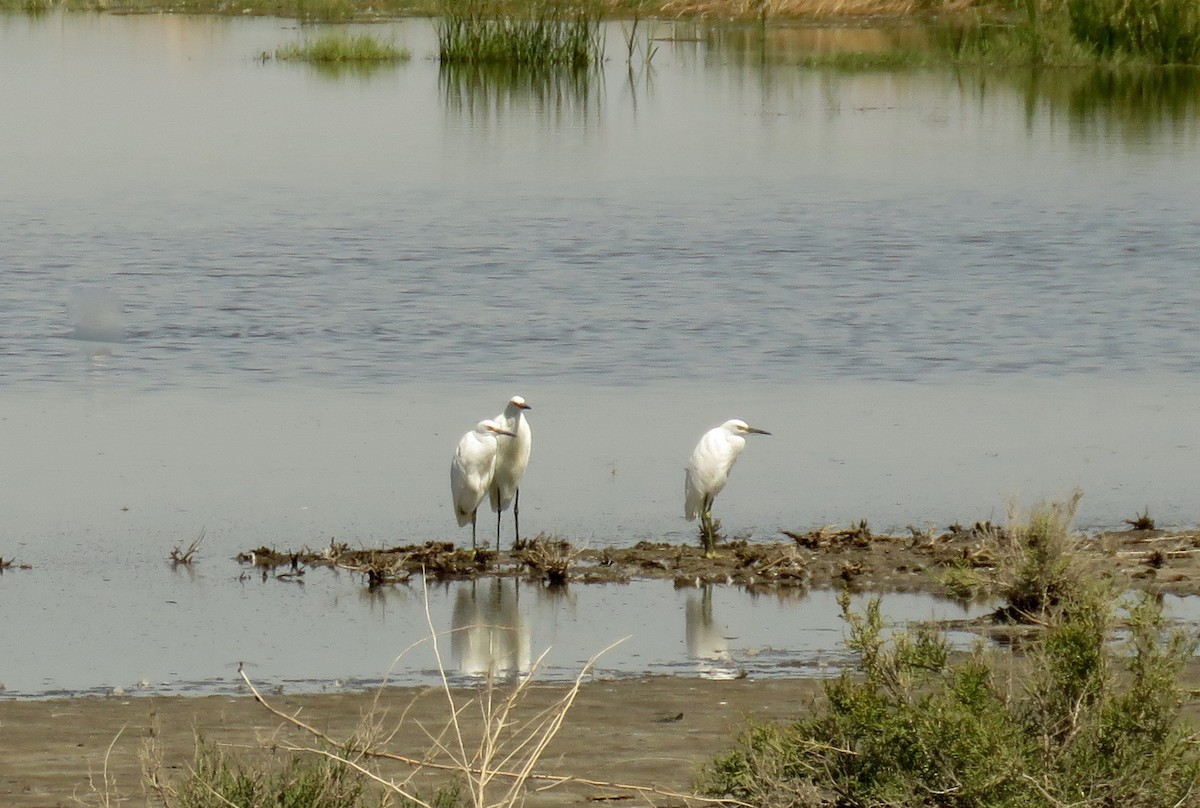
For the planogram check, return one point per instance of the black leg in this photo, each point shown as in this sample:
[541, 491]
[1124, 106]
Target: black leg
[706, 528]
[498, 515]
[473, 515]
[516, 518]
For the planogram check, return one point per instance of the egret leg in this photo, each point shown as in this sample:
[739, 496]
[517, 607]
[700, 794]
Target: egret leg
[516, 518]
[473, 515]
[498, 515]
[706, 534]
[706, 529]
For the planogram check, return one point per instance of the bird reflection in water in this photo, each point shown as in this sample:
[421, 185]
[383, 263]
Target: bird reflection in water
[489, 637]
[706, 640]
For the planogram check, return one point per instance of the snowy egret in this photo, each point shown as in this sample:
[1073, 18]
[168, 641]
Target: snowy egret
[472, 469]
[708, 471]
[511, 463]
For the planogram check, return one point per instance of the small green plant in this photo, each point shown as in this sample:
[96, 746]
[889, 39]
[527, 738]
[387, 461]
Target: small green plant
[633, 43]
[341, 49]
[912, 727]
[218, 780]
[962, 581]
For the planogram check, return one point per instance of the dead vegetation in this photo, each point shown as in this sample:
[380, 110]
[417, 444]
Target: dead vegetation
[548, 558]
[962, 561]
[178, 556]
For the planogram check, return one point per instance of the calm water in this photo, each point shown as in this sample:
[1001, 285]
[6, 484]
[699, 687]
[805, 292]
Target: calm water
[263, 301]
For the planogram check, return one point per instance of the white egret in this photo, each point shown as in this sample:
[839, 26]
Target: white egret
[472, 469]
[511, 463]
[708, 471]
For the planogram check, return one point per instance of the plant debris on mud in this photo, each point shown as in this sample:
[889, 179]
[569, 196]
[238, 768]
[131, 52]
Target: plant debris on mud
[958, 562]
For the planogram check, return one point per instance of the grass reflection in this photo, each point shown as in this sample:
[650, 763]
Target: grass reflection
[1132, 105]
[481, 92]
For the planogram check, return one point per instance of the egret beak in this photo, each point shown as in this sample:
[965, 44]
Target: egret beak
[756, 431]
[525, 406]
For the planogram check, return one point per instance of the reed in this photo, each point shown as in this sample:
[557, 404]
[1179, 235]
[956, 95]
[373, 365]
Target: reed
[1162, 31]
[546, 35]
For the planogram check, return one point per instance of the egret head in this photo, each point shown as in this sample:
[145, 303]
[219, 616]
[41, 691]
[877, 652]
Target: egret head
[518, 403]
[740, 427]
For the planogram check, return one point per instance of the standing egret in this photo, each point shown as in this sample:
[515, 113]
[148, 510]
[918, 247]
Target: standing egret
[708, 471]
[472, 469]
[511, 463]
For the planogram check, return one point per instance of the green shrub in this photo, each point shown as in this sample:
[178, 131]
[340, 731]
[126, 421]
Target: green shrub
[911, 727]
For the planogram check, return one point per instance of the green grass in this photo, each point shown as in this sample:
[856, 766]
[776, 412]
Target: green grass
[218, 780]
[341, 49]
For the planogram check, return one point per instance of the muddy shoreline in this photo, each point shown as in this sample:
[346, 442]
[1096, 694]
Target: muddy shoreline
[958, 562]
[653, 732]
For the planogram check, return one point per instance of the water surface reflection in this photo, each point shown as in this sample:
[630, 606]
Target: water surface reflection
[489, 636]
[491, 93]
[707, 642]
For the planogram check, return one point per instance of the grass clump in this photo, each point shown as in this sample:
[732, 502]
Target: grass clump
[1093, 725]
[541, 35]
[1161, 31]
[1041, 568]
[962, 581]
[218, 780]
[1082, 32]
[341, 49]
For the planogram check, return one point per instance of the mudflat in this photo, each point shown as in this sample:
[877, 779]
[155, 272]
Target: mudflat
[653, 732]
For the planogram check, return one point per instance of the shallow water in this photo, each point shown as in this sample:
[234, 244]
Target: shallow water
[331, 633]
[262, 302]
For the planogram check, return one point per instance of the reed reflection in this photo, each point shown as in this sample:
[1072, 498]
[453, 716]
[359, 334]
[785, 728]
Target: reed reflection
[707, 643]
[489, 637]
[490, 92]
[1130, 104]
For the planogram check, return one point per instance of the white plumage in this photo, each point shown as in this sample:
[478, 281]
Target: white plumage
[708, 471]
[473, 469]
[511, 462]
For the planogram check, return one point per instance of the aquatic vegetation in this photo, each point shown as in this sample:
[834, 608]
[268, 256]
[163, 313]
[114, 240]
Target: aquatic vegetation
[913, 727]
[543, 35]
[340, 48]
[1081, 32]
[1162, 31]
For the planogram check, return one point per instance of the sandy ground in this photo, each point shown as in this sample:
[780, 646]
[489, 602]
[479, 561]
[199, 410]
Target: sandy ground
[652, 732]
